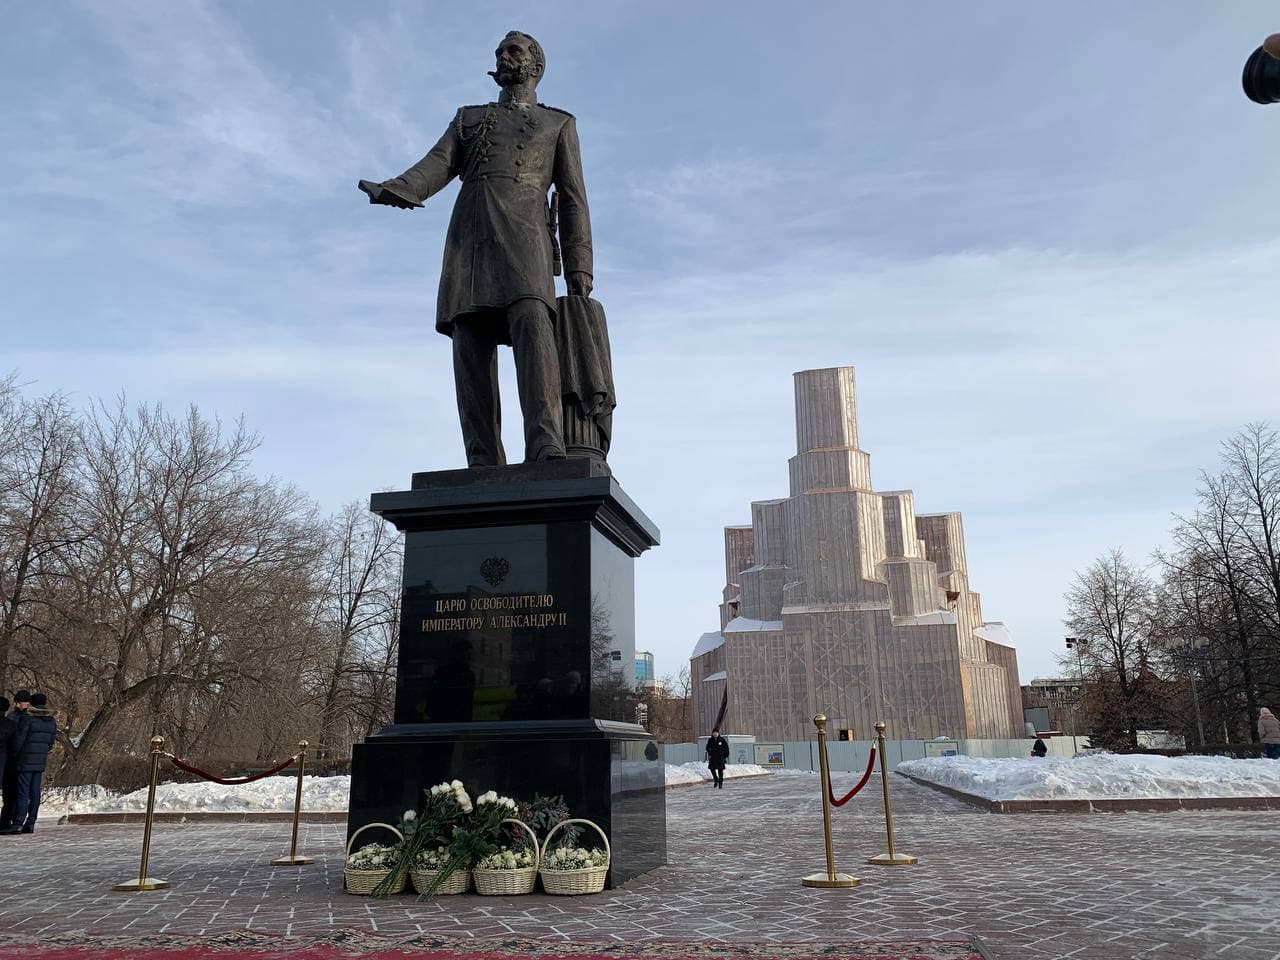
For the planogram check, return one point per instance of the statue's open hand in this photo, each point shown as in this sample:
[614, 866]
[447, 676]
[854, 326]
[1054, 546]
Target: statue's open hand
[579, 284]
[381, 193]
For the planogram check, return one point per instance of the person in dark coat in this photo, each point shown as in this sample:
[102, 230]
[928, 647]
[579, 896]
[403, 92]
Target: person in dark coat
[717, 757]
[9, 784]
[1039, 749]
[8, 726]
[1269, 733]
[496, 283]
[34, 738]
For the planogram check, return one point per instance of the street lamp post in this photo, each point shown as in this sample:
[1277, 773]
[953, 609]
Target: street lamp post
[1195, 694]
[1076, 643]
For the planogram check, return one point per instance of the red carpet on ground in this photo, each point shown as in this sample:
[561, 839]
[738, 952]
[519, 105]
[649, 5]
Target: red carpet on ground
[345, 945]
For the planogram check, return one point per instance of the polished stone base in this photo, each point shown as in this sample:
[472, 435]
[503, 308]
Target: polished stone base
[517, 637]
[599, 767]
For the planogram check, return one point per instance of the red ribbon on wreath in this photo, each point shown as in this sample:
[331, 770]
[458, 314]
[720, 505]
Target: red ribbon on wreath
[231, 781]
[871, 763]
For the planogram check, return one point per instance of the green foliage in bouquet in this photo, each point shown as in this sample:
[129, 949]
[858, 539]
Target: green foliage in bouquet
[544, 813]
[445, 807]
[477, 837]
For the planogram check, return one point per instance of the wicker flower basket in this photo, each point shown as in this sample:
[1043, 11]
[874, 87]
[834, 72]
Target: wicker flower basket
[506, 883]
[362, 882]
[568, 883]
[457, 882]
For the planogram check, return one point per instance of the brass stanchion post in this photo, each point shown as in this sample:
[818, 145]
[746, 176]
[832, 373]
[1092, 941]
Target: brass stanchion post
[293, 857]
[892, 858]
[830, 878]
[144, 882]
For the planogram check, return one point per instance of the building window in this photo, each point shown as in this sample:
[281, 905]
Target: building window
[844, 734]
[615, 656]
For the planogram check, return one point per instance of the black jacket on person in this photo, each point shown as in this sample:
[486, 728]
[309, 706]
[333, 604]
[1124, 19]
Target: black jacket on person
[717, 752]
[8, 727]
[34, 738]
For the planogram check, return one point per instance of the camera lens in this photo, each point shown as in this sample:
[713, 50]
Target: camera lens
[1262, 77]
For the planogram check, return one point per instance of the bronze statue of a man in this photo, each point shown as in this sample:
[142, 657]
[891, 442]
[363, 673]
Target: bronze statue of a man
[500, 255]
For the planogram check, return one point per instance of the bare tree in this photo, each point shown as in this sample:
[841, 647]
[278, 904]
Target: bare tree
[1225, 574]
[361, 597]
[151, 583]
[177, 574]
[1110, 609]
[375, 667]
[38, 444]
[668, 708]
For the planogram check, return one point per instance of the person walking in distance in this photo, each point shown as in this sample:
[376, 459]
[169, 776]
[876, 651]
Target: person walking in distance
[1269, 734]
[717, 756]
[9, 783]
[34, 738]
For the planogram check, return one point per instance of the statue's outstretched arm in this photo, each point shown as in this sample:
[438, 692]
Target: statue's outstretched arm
[426, 177]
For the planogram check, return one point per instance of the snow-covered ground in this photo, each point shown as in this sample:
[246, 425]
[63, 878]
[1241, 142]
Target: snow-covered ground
[697, 772]
[270, 794]
[1101, 776]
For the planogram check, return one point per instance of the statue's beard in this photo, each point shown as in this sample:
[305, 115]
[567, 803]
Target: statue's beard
[510, 75]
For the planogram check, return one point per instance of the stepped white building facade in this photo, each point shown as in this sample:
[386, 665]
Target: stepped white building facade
[844, 601]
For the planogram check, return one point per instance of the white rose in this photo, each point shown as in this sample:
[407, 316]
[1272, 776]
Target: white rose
[411, 815]
[456, 784]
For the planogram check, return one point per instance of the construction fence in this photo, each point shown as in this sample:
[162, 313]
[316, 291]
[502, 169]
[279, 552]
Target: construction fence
[852, 755]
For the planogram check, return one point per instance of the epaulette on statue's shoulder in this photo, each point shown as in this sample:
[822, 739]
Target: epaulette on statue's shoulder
[546, 106]
[476, 106]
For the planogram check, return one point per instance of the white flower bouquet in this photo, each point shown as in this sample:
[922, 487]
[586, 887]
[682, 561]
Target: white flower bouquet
[434, 872]
[569, 869]
[445, 807]
[450, 792]
[576, 858]
[511, 869]
[374, 856]
[375, 865]
[509, 859]
[431, 858]
[434, 865]
[505, 804]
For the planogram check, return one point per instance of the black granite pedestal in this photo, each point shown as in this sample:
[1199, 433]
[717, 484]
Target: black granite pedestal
[518, 588]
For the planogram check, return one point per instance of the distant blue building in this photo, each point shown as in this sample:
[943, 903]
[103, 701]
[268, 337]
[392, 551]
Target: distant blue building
[644, 669]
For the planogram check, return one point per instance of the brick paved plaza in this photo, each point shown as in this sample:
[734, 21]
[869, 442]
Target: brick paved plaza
[1166, 886]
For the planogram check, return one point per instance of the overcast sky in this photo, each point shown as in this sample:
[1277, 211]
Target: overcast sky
[1043, 234]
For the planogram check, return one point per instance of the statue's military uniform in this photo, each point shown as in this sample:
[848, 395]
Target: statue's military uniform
[497, 282]
[499, 246]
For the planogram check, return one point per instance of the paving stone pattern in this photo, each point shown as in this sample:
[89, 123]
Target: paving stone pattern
[1166, 886]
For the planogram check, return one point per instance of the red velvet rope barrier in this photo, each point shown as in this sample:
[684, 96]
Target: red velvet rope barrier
[871, 762]
[231, 781]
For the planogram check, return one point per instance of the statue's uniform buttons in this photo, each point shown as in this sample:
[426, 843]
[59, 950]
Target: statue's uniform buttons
[519, 146]
[518, 162]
